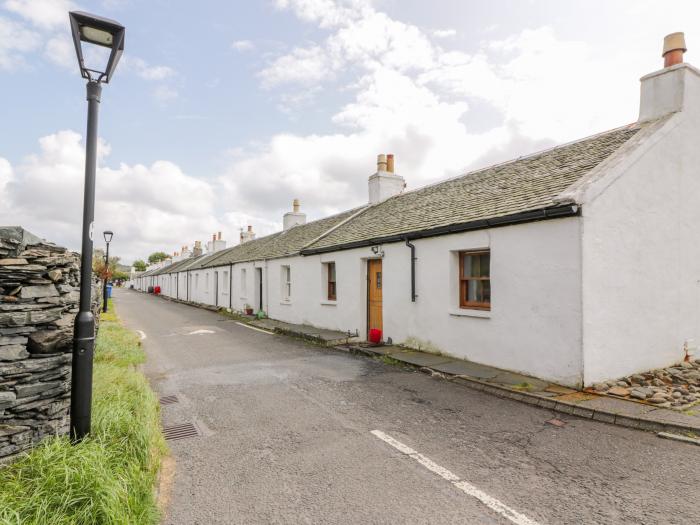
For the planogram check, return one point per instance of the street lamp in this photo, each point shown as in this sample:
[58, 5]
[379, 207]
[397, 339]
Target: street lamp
[107, 34]
[108, 238]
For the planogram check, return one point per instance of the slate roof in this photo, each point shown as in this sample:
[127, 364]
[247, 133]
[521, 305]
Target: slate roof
[279, 244]
[524, 184]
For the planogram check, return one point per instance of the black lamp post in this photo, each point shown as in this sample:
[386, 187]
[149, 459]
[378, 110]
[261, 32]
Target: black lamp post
[109, 34]
[108, 238]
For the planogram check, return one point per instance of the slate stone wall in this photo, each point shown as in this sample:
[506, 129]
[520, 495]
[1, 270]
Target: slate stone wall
[39, 296]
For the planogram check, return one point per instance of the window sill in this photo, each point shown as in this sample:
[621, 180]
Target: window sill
[329, 303]
[286, 302]
[471, 312]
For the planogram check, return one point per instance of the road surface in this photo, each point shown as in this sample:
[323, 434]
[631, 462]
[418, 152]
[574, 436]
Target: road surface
[294, 433]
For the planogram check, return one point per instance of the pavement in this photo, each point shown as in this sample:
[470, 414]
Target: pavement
[587, 404]
[291, 432]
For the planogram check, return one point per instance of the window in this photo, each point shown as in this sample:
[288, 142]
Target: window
[331, 288]
[475, 279]
[244, 284]
[286, 282]
[196, 281]
[225, 284]
[206, 283]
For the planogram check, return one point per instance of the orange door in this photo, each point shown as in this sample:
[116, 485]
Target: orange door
[374, 294]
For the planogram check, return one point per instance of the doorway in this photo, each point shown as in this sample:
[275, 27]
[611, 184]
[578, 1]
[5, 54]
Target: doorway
[374, 295]
[259, 288]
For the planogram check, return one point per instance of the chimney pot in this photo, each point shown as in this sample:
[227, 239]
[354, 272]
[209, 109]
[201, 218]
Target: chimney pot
[250, 228]
[390, 163]
[381, 162]
[219, 235]
[674, 47]
[295, 205]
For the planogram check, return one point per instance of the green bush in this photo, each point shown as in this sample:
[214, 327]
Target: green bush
[109, 477]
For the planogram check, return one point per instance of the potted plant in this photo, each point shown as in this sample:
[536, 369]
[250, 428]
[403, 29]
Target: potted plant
[248, 309]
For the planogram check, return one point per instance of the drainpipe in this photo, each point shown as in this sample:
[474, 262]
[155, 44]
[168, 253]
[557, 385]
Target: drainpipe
[230, 287]
[187, 295]
[413, 270]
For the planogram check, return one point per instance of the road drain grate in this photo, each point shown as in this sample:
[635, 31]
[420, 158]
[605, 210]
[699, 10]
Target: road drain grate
[169, 400]
[185, 430]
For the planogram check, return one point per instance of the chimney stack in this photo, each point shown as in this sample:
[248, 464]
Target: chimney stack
[385, 183]
[672, 89]
[247, 235]
[197, 251]
[216, 243]
[294, 217]
[674, 47]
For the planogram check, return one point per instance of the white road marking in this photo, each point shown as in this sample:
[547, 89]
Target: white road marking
[200, 332]
[142, 334]
[254, 328]
[464, 486]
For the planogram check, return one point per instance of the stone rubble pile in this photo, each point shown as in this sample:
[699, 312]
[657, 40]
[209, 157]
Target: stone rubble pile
[676, 387]
[39, 295]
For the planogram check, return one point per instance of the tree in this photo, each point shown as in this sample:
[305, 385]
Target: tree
[157, 257]
[139, 266]
[100, 268]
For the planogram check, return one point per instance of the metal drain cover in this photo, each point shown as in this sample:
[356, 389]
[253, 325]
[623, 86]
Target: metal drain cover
[169, 400]
[182, 431]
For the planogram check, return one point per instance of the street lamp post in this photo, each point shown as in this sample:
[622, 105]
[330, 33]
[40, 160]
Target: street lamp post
[109, 34]
[108, 238]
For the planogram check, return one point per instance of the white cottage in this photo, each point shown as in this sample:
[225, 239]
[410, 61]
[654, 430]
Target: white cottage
[576, 264]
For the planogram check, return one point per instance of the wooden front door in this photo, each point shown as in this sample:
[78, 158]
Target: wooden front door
[374, 294]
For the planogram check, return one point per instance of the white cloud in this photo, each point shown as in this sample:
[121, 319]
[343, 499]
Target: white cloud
[145, 70]
[15, 40]
[444, 33]
[165, 94]
[60, 50]
[242, 45]
[45, 14]
[148, 207]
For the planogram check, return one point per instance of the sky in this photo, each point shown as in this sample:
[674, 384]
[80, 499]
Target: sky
[220, 113]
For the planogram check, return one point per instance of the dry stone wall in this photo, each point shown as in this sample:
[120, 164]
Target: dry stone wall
[39, 296]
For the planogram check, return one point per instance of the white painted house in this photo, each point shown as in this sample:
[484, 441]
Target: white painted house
[576, 264]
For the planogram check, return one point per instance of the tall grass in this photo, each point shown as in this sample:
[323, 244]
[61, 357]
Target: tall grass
[109, 477]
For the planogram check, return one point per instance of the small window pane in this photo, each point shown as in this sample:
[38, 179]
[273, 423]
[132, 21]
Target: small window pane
[466, 265]
[475, 265]
[331, 272]
[486, 265]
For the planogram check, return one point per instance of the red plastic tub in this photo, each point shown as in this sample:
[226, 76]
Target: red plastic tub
[156, 290]
[375, 335]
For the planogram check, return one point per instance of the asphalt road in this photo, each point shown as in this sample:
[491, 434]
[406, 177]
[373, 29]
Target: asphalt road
[286, 437]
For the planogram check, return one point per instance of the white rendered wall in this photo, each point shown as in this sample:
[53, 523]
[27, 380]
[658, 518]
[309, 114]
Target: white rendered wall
[641, 257]
[534, 325]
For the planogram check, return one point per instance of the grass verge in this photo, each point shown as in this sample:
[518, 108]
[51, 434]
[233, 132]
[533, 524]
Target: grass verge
[109, 477]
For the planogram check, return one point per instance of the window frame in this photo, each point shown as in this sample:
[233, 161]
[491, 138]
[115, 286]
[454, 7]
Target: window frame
[331, 284]
[286, 282]
[463, 287]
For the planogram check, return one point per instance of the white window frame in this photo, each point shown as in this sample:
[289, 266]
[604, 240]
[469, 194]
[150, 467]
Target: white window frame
[286, 283]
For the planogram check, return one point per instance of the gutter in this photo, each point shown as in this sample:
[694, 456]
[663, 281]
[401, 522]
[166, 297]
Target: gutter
[552, 212]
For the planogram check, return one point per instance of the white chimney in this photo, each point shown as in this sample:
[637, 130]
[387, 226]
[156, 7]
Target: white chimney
[385, 183]
[294, 217]
[674, 88]
[218, 244]
[247, 235]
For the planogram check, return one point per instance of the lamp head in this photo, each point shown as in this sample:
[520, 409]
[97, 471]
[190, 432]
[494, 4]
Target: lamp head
[101, 32]
[108, 236]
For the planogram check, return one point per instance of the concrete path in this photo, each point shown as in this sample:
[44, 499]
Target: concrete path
[293, 433]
